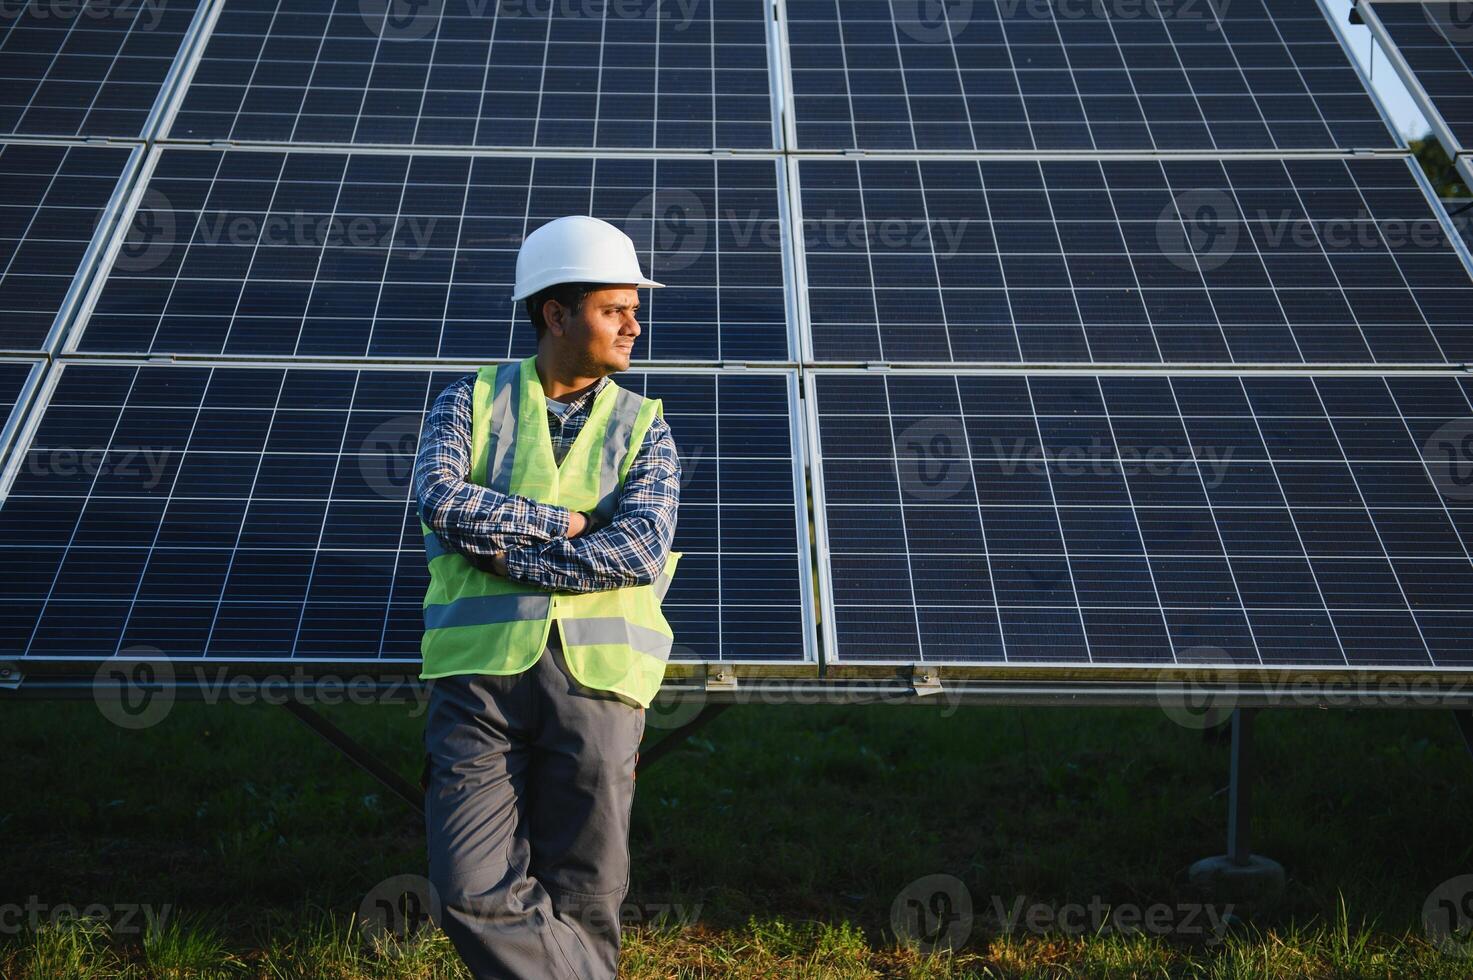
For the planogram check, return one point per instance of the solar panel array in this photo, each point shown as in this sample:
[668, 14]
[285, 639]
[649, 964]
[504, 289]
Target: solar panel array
[414, 256]
[1113, 519]
[1144, 261]
[1093, 337]
[636, 73]
[1065, 75]
[88, 67]
[1431, 45]
[259, 514]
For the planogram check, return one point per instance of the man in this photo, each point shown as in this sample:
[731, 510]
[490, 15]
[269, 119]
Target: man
[547, 495]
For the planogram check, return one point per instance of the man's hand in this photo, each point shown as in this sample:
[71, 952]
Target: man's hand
[578, 524]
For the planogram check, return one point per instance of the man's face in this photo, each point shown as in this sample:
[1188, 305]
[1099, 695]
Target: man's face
[600, 336]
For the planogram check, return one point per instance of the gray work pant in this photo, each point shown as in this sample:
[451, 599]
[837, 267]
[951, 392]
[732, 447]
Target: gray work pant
[531, 781]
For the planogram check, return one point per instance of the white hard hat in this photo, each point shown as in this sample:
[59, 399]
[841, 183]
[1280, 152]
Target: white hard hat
[576, 248]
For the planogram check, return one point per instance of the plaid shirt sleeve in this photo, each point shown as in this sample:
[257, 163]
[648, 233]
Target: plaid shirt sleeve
[631, 549]
[473, 520]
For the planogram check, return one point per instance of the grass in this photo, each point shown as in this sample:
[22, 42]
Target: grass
[227, 841]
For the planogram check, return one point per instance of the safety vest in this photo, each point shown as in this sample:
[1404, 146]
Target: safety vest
[479, 622]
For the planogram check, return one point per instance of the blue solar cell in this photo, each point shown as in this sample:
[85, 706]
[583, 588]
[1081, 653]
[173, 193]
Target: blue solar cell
[95, 68]
[604, 74]
[1129, 260]
[260, 514]
[990, 519]
[52, 200]
[1061, 75]
[335, 255]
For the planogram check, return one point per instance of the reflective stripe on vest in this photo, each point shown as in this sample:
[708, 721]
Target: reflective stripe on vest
[478, 622]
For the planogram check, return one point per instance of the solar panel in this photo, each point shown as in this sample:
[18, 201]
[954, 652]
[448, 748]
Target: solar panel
[1145, 260]
[388, 255]
[1108, 519]
[1431, 46]
[1060, 74]
[597, 74]
[18, 380]
[262, 514]
[54, 201]
[89, 68]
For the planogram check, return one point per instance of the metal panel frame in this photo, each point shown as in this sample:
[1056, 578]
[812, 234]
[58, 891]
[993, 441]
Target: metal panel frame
[1072, 673]
[807, 667]
[150, 163]
[104, 230]
[801, 269]
[171, 89]
[1409, 78]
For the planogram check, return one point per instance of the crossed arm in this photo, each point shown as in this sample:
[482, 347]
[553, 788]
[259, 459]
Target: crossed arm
[537, 543]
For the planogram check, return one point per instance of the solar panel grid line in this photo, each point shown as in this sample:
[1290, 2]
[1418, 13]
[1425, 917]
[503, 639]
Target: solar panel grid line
[1397, 58]
[1376, 217]
[409, 96]
[684, 226]
[51, 241]
[174, 545]
[822, 507]
[1319, 99]
[68, 97]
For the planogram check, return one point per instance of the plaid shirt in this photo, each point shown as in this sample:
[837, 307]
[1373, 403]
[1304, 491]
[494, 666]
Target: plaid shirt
[477, 522]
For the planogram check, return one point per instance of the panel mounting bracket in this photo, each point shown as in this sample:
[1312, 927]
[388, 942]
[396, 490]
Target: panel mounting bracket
[720, 677]
[10, 676]
[877, 365]
[924, 680]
